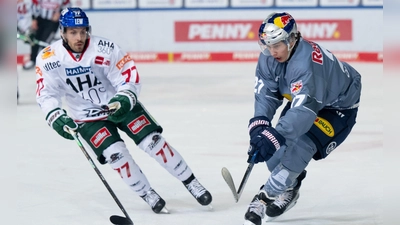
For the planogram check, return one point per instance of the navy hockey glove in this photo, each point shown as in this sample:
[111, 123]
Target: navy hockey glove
[122, 102]
[60, 121]
[264, 140]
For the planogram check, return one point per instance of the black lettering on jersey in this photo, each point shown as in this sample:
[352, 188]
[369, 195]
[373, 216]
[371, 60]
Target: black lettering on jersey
[105, 47]
[51, 65]
[81, 81]
[69, 82]
[96, 82]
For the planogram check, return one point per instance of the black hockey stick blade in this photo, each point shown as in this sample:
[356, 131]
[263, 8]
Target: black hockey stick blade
[120, 220]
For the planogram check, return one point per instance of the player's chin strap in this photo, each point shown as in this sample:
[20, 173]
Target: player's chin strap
[291, 51]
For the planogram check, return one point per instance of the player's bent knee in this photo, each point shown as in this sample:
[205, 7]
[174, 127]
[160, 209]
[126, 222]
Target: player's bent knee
[152, 141]
[115, 152]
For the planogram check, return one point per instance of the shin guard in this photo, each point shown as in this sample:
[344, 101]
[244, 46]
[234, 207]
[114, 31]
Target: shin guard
[117, 155]
[156, 146]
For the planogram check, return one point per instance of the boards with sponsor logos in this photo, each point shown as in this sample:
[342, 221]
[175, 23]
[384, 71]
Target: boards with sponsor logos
[167, 4]
[209, 35]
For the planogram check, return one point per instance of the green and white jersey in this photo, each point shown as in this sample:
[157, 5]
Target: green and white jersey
[86, 80]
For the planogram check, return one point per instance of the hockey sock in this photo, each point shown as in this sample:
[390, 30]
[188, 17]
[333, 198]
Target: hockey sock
[117, 155]
[156, 146]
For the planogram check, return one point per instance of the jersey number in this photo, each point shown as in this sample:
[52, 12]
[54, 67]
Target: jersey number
[40, 86]
[298, 100]
[128, 75]
[22, 9]
[258, 85]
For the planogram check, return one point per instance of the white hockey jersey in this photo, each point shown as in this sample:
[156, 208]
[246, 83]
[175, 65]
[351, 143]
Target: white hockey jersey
[24, 15]
[87, 81]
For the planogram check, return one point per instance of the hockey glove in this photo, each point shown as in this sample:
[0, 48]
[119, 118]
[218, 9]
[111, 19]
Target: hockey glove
[264, 139]
[123, 102]
[60, 121]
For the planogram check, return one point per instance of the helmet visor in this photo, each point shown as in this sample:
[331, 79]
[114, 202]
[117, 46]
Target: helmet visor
[266, 49]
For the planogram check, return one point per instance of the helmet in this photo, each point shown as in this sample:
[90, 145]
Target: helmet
[73, 17]
[275, 28]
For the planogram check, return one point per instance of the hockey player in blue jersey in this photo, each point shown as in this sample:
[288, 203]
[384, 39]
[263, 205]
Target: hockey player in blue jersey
[323, 95]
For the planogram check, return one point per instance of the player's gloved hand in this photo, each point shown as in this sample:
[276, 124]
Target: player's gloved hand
[122, 102]
[60, 122]
[264, 140]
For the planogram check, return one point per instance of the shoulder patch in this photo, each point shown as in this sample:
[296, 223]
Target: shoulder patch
[47, 52]
[296, 87]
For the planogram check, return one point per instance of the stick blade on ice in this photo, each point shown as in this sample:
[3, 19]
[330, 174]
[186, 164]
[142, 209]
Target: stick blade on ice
[119, 220]
[228, 179]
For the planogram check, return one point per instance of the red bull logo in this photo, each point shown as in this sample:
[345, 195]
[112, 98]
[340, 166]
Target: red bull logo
[282, 21]
[296, 87]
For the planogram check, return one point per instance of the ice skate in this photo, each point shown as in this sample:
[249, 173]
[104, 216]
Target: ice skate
[256, 211]
[29, 65]
[286, 200]
[198, 191]
[156, 203]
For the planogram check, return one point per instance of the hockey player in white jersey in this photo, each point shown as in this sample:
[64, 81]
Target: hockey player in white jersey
[323, 95]
[24, 22]
[91, 72]
[24, 16]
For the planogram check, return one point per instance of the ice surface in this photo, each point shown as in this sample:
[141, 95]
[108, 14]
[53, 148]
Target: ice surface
[204, 109]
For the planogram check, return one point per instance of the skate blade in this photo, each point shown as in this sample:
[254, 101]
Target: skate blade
[270, 219]
[164, 211]
[209, 207]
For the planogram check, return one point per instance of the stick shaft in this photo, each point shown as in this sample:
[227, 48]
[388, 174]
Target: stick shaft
[244, 180]
[74, 134]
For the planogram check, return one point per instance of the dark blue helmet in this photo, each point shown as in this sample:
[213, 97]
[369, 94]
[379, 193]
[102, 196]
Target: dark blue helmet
[73, 17]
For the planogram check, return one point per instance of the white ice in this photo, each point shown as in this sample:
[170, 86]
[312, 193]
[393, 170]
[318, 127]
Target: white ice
[204, 109]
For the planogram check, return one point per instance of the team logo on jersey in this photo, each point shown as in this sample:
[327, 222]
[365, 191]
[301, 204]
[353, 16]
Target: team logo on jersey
[77, 70]
[98, 138]
[324, 126]
[47, 53]
[100, 60]
[296, 87]
[105, 47]
[138, 124]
